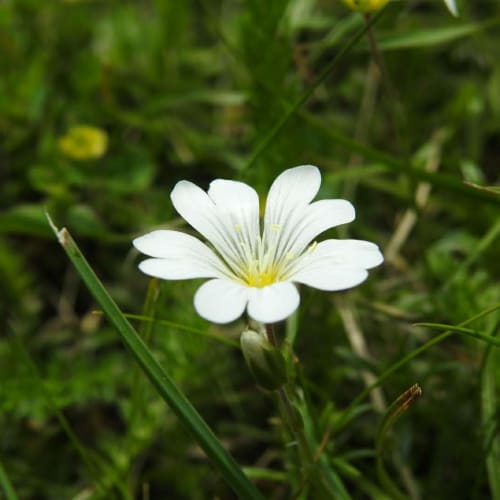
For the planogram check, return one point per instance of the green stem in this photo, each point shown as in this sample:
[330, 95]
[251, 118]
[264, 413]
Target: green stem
[6, 485]
[293, 419]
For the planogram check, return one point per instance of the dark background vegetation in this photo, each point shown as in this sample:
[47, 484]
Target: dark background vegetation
[190, 90]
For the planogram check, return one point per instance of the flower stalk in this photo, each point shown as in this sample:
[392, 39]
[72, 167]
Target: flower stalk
[292, 417]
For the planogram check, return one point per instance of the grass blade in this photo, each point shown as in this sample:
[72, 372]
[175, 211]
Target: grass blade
[6, 485]
[165, 386]
[490, 418]
[432, 37]
[466, 331]
[184, 328]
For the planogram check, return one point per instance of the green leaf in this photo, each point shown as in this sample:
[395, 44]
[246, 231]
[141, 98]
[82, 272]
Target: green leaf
[6, 485]
[435, 36]
[24, 219]
[490, 383]
[466, 331]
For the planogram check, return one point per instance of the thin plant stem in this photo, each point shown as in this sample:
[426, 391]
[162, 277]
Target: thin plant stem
[6, 485]
[292, 418]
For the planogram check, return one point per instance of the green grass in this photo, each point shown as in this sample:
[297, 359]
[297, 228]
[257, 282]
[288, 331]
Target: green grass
[243, 90]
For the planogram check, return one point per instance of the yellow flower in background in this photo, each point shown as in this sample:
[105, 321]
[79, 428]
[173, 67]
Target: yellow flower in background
[374, 5]
[83, 142]
[365, 5]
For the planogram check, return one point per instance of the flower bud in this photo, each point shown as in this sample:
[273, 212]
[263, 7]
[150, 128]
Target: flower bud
[265, 362]
[365, 5]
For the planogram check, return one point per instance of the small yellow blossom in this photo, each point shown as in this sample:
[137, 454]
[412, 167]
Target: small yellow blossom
[83, 142]
[365, 5]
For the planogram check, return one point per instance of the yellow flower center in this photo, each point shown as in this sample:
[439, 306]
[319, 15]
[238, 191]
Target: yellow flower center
[265, 262]
[261, 278]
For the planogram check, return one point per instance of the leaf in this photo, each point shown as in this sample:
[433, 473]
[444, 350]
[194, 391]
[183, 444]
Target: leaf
[490, 382]
[493, 341]
[435, 36]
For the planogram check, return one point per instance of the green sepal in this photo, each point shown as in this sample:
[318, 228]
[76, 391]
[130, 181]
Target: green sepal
[265, 362]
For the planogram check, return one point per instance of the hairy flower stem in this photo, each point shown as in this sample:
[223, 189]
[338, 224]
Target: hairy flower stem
[292, 418]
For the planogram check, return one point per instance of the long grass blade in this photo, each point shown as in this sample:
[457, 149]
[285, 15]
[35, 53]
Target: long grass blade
[490, 382]
[6, 485]
[466, 331]
[184, 328]
[434, 36]
[165, 386]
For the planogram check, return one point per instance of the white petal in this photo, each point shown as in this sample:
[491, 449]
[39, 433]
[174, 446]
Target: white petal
[452, 7]
[166, 244]
[295, 187]
[356, 253]
[337, 264]
[331, 278]
[178, 269]
[273, 303]
[238, 204]
[229, 194]
[194, 205]
[178, 256]
[302, 226]
[197, 208]
[221, 301]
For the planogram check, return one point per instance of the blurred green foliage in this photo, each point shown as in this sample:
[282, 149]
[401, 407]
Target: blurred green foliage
[189, 90]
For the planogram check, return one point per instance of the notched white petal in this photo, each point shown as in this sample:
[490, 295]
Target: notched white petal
[337, 264]
[296, 185]
[233, 195]
[178, 269]
[302, 226]
[273, 303]
[331, 278]
[293, 188]
[220, 301]
[197, 208]
[194, 205]
[357, 253]
[165, 243]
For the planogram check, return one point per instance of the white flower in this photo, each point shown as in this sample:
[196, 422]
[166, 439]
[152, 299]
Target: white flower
[253, 270]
